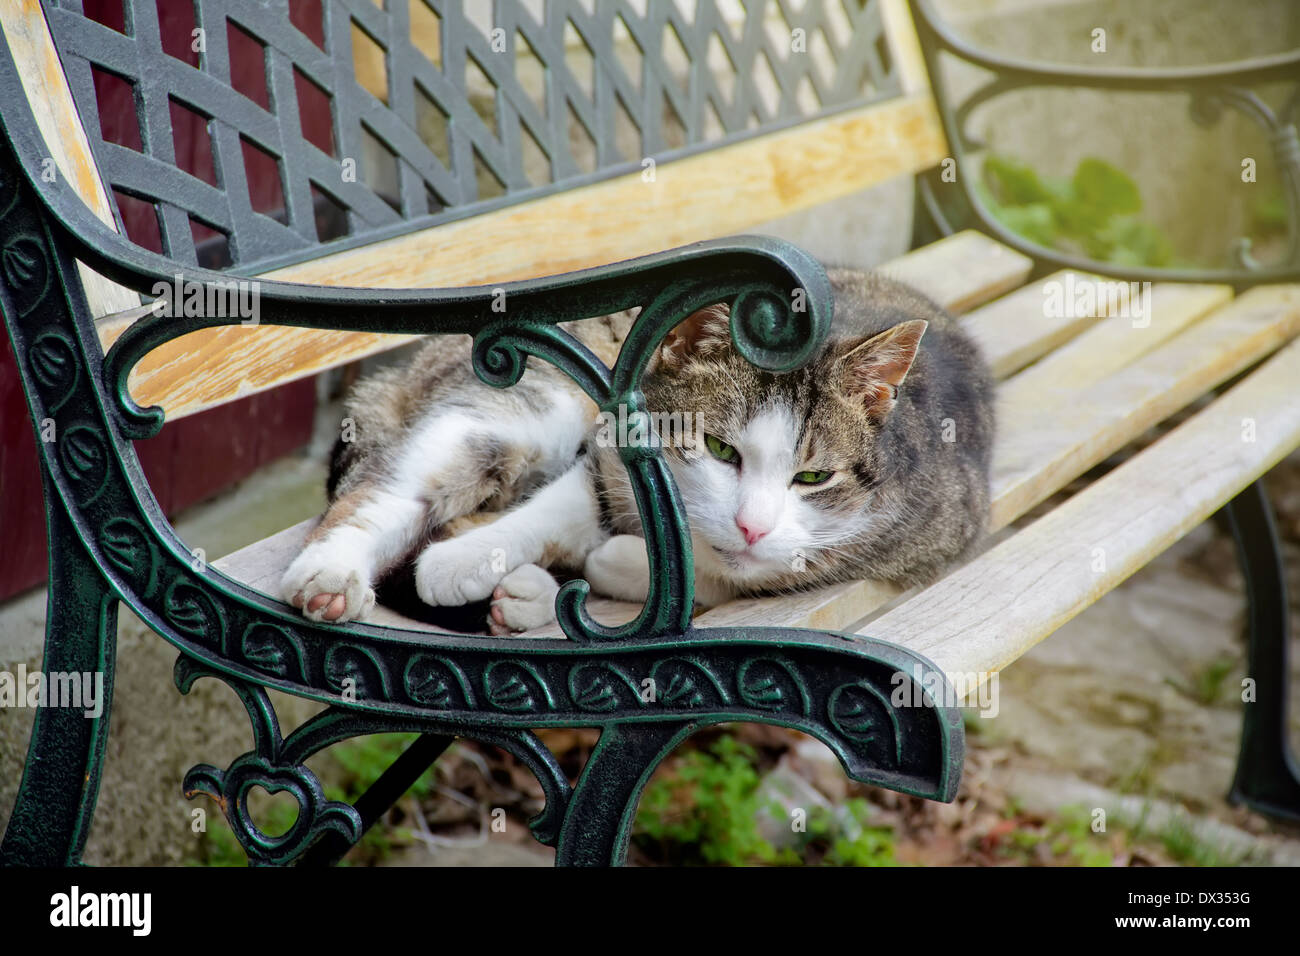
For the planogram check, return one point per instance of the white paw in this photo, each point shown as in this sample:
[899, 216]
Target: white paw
[458, 571]
[328, 584]
[619, 568]
[524, 599]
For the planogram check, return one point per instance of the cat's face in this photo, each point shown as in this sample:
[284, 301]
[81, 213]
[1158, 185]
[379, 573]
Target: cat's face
[777, 473]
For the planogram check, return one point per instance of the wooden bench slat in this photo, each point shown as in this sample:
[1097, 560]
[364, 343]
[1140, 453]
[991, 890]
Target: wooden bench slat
[1029, 464]
[1016, 330]
[985, 615]
[764, 178]
[961, 271]
[186, 373]
[50, 99]
[1040, 452]
[1108, 346]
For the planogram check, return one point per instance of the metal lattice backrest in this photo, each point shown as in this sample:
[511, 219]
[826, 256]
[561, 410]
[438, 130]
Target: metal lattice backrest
[366, 122]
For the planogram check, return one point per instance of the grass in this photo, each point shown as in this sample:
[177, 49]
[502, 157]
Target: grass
[706, 810]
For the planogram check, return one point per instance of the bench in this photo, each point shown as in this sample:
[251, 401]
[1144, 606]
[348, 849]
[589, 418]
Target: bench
[430, 249]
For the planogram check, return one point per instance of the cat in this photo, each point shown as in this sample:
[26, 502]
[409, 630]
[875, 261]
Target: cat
[872, 461]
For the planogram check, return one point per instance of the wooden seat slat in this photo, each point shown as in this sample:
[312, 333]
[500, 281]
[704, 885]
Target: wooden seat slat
[1080, 364]
[1009, 342]
[1034, 458]
[1051, 440]
[1035, 455]
[986, 614]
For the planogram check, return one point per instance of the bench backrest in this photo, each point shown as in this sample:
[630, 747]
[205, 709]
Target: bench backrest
[478, 152]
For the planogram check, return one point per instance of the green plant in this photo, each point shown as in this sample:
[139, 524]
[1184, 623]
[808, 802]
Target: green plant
[1093, 212]
[853, 842]
[1185, 845]
[705, 810]
[1069, 838]
[1210, 678]
[708, 807]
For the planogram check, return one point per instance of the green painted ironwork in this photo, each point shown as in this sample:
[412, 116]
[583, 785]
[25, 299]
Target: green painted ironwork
[619, 82]
[110, 542]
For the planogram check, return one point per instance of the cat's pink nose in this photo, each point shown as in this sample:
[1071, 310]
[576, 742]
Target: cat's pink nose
[752, 533]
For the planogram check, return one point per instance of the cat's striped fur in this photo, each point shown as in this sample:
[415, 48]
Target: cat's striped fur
[482, 491]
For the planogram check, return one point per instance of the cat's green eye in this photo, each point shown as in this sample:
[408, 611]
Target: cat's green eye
[813, 477]
[720, 450]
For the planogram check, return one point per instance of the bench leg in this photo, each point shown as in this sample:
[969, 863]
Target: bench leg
[1267, 779]
[56, 800]
[599, 819]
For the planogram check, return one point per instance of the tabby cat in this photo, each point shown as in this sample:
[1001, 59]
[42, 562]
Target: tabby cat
[872, 461]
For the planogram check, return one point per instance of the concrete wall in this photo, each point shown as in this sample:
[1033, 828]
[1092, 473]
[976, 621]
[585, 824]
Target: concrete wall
[1189, 176]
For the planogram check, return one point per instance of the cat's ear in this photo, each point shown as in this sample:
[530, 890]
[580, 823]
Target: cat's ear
[874, 370]
[702, 333]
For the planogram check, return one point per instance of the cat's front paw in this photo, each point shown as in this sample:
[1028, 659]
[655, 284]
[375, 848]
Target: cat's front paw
[328, 585]
[524, 599]
[619, 568]
[456, 572]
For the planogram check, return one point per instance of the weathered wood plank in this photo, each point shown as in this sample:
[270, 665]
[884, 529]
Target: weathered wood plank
[1019, 328]
[762, 179]
[961, 271]
[1037, 454]
[50, 99]
[987, 614]
[1074, 368]
[1033, 458]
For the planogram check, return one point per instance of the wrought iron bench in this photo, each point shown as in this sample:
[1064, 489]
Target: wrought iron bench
[101, 370]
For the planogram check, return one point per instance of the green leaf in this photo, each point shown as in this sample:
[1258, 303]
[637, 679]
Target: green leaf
[1105, 190]
[1035, 222]
[1133, 242]
[1013, 182]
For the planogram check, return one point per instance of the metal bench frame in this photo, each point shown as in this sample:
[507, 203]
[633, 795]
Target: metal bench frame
[647, 685]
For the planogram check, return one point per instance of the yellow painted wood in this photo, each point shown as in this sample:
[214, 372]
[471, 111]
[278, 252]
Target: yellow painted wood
[900, 33]
[50, 99]
[985, 615]
[711, 194]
